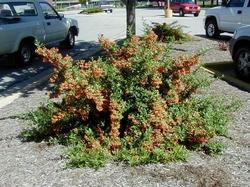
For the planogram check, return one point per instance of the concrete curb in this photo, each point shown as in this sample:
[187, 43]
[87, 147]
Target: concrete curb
[209, 67]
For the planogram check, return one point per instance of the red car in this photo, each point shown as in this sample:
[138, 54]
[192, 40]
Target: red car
[185, 7]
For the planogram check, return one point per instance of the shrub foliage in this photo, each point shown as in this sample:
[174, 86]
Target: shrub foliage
[170, 32]
[133, 105]
[92, 10]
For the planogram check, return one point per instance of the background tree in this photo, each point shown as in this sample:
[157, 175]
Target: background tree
[83, 1]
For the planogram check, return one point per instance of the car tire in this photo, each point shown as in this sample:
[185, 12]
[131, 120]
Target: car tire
[196, 14]
[242, 63]
[70, 40]
[25, 54]
[181, 13]
[212, 30]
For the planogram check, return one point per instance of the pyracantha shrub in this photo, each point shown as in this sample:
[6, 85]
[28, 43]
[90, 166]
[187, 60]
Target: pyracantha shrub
[133, 105]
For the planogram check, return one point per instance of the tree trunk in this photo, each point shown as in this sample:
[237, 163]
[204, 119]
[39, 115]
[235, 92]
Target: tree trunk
[130, 7]
[158, 3]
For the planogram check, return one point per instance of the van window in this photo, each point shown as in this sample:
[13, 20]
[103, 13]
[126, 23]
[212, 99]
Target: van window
[24, 9]
[48, 11]
[236, 3]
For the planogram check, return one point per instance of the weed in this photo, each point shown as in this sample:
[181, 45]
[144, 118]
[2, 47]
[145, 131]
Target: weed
[223, 46]
[170, 32]
[213, 147]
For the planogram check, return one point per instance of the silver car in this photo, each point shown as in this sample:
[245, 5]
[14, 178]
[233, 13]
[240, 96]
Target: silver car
[240, 51]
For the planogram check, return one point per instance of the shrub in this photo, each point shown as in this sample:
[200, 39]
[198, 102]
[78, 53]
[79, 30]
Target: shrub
[91, 10]
[170, 32]
[134, 105]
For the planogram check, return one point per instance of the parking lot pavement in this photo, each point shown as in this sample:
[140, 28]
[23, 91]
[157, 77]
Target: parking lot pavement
[13, 79]
[10, 75]
[113, 25]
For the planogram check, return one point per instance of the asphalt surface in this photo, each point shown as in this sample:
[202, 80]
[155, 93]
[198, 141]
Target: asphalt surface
[113, 25]
[14, 79]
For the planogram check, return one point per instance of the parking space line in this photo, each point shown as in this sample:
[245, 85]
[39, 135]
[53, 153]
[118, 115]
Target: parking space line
[13, 93]
[4, 101]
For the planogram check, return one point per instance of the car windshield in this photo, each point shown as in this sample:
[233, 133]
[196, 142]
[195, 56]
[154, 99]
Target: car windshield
[5, 10]
[188, 1]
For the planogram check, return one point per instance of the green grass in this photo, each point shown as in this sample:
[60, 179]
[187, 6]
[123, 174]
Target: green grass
[91, 10]
[213, 148]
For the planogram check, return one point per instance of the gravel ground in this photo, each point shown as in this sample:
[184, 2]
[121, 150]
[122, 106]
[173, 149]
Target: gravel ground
[37, 164]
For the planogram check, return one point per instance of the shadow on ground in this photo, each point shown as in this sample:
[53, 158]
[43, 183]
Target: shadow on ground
[225, 71]
[221, 38]
[176, 15]
[13, 79]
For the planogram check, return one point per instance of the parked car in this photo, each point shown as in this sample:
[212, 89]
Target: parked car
[106, 7]
[240, 51]
[22, 22]
[185, 7]
[227, 18]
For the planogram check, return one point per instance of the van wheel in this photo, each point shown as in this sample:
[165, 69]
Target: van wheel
[25, 54]
[70, 40]
[181, 13]
[212, 30]
[242, 63]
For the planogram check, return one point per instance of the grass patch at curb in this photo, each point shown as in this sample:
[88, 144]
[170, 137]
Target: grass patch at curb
[92, 10]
